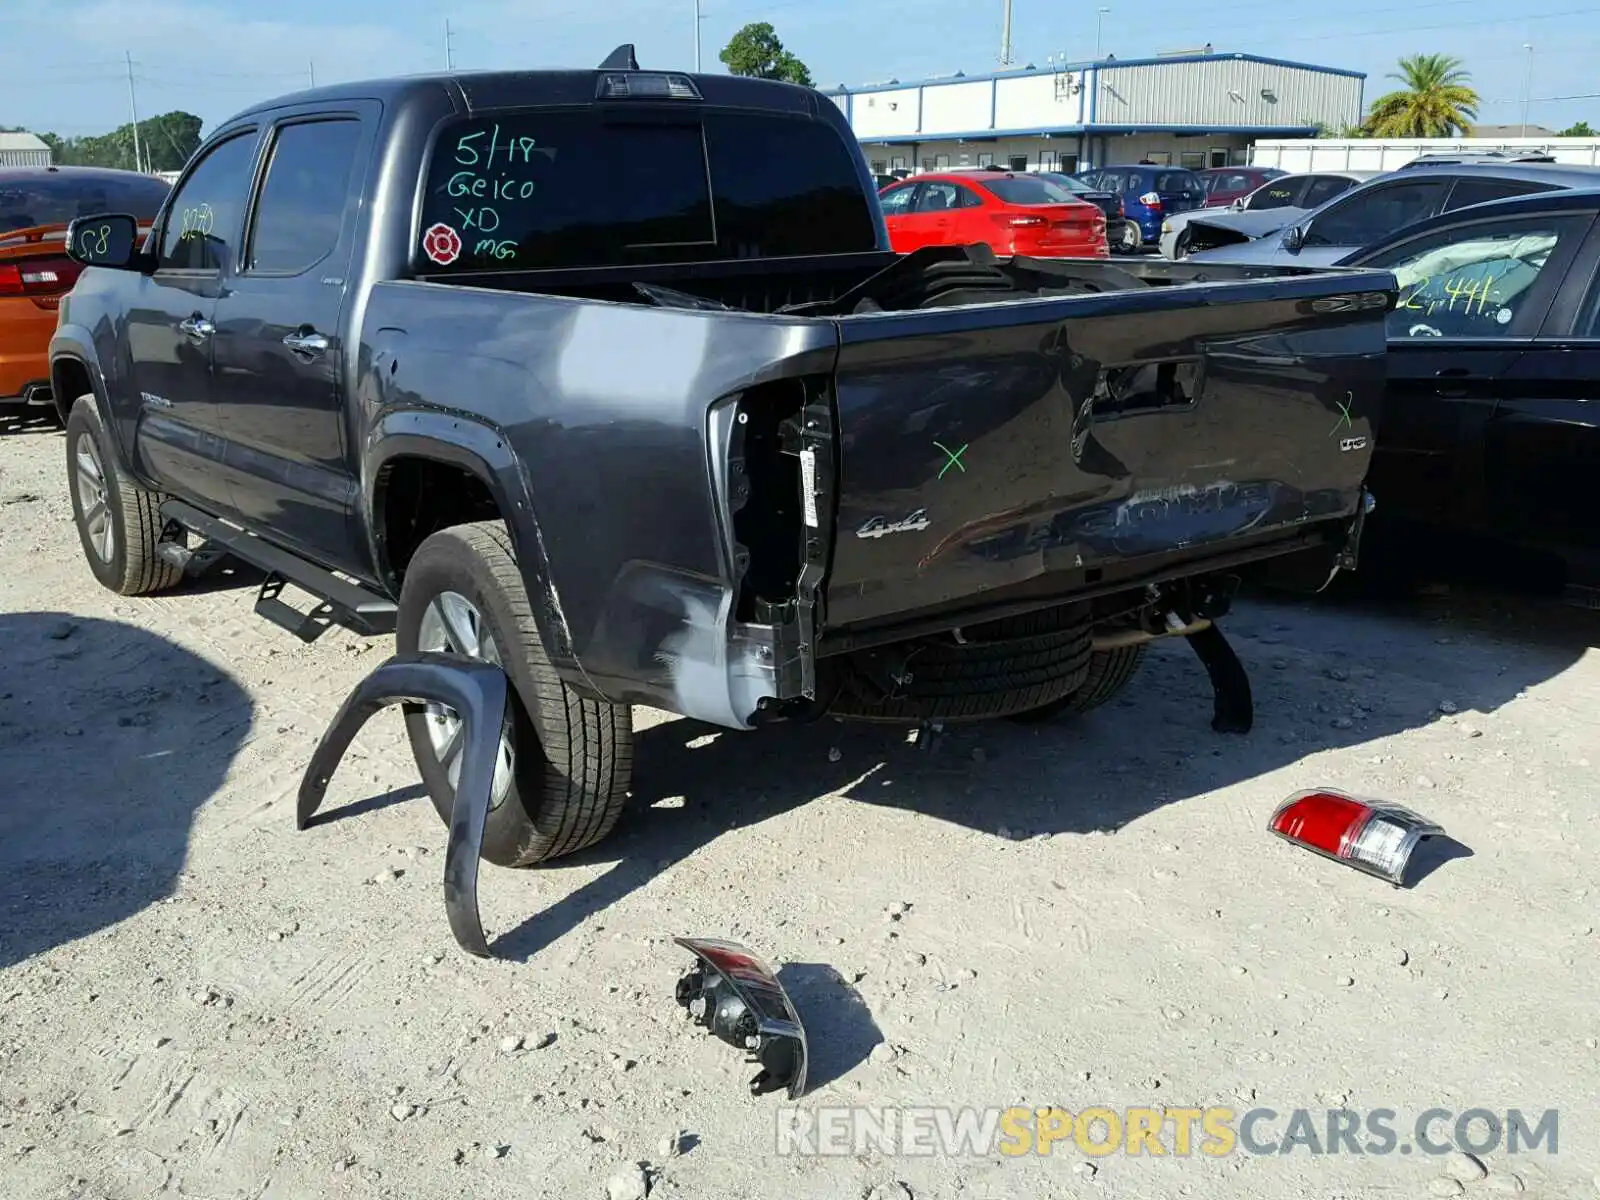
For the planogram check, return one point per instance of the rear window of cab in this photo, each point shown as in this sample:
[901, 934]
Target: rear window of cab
[552, 190]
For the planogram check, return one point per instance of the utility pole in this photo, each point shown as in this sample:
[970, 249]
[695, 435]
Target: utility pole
[311, 68]
[449, 49]
[133, 105]
[1527, 88]
[1005, 36]
[697, 19]
[1099, 29]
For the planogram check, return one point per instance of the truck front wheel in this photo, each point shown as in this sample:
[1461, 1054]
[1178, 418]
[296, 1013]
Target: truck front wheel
[565, 761]
[119, 522]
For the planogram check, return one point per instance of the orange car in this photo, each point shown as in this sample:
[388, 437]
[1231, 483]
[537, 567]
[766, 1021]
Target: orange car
[35, 205]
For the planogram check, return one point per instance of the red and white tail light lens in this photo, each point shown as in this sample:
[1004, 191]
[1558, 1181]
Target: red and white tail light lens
[1370, 835]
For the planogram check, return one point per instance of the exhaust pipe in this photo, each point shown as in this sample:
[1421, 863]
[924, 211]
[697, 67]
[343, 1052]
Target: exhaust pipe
[38, 394]
[1118, 638]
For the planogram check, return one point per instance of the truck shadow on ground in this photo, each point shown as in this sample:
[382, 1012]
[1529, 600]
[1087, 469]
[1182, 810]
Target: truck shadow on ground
[111, 738]
[1326, 675]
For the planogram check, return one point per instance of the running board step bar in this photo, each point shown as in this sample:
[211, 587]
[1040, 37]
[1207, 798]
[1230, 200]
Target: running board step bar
[343, 602]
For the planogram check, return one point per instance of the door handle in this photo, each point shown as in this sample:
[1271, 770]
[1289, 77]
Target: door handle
[196, 328]
[1450, 381]
[308, 344]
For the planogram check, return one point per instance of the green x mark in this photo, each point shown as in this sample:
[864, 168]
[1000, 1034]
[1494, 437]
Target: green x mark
[1344, 415]
[954, 458]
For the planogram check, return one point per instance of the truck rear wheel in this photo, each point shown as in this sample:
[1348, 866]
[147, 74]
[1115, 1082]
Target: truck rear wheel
[991, 670]
[119, 522]
[1109, 672]
[565, 761]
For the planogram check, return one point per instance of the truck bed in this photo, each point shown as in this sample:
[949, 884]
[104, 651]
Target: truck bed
[984, 436]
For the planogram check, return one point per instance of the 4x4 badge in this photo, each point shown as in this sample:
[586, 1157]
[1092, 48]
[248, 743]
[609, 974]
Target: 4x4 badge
[877, 527]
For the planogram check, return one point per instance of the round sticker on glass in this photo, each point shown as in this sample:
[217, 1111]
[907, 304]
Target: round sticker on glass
[441, 244]
[1503, 316]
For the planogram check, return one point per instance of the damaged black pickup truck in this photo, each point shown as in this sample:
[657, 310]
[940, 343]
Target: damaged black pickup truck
[610, 377]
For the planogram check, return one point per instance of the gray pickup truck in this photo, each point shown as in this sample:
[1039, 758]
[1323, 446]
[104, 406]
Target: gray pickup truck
[611, 378]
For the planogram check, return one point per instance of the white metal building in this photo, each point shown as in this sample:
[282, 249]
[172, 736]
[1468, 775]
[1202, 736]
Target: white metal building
[1385, 154]
[23, 150]
[1193, 110]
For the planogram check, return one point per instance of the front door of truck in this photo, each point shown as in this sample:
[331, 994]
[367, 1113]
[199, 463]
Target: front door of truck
[280, 352]
[171, 326]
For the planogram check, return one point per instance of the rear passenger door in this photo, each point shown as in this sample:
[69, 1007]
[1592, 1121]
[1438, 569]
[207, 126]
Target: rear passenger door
[281, 353]
[931, 221]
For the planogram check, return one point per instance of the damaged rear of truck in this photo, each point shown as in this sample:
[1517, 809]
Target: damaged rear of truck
[640, 405]
[767, 471]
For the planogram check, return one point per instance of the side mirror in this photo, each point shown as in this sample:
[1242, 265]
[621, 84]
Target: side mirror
[108, 240]
[1293, 238]
[1238, 205]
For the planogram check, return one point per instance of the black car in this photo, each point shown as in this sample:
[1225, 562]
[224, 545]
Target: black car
[1492, 425]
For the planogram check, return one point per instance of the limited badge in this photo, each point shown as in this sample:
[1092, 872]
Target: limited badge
[441, 244]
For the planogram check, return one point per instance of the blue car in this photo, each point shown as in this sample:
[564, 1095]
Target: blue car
[1149, 194]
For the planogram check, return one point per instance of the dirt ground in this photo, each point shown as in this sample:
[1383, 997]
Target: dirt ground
[198, 1001]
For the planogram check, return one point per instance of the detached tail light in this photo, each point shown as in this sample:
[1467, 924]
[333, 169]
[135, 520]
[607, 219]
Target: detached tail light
[1151, 200]
[1370, 835]
[38, 277]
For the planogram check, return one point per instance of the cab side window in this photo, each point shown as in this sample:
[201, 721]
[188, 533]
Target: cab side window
[301, 212]
[206, 216]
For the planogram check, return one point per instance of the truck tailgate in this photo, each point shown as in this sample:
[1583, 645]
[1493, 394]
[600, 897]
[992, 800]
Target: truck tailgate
[986, 446]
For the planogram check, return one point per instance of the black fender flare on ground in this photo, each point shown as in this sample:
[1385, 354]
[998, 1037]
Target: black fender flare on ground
[478, 692]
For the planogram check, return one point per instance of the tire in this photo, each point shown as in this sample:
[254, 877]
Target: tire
[1109, 672]
[119, 521]
[1132, 239]
[568, 760]
[1000, 668]
[1181, 244]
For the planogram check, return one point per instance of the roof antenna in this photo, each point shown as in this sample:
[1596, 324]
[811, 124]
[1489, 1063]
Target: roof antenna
[621, 59]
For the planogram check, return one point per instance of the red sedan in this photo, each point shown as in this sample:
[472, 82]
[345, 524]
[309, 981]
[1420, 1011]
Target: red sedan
[1010, 212]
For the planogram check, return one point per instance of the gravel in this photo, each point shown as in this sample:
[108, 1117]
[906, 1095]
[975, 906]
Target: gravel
[147, 864]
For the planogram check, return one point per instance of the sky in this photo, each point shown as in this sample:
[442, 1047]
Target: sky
[62, 62]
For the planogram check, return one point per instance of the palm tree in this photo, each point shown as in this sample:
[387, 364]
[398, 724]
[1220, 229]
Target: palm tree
[1437, 100]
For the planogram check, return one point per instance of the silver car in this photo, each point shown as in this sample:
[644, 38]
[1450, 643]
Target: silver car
[1388, 203]
[1274, 204]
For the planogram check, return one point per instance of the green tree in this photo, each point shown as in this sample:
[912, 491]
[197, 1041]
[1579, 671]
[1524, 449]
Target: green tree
[165, 143]
[1437, 100]
[756, 51]
[1581, 129]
